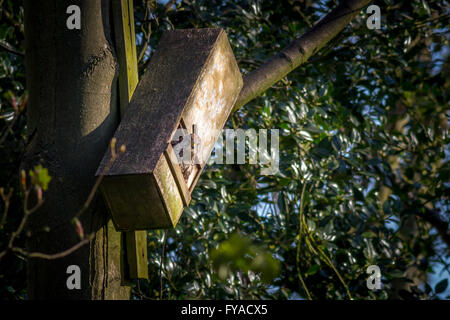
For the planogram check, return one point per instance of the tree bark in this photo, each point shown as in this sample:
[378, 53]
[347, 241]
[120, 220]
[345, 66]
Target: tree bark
[298, 52]
[72, 115]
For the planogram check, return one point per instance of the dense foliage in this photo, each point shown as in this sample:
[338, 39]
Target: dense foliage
[364, 164]
[12, 142]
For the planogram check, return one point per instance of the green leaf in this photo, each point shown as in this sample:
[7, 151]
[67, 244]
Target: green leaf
[369, 234]
[336, 143]
[40, 176]
[238, 253]
[386, 207]
[312, 270]
[441, 286]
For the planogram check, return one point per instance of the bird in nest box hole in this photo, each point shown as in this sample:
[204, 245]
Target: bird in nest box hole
[194, 141]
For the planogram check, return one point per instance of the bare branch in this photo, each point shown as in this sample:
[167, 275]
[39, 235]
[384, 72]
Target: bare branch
[9, 129]
[6, 199]
[55, 255]
[17, 112]
[94, 189]
[298, 52]
[28, 212]
[147, 33]
[433, 218]
[7, 47]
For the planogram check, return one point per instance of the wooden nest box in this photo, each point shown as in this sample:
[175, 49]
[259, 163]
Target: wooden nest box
[186, 94]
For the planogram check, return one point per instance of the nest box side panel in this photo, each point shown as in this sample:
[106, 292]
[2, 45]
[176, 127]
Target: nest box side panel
[169, 192]
[131, 199]
[214, 96]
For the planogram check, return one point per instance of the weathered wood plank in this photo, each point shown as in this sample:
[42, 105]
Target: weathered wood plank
[126, 50]
[136, 241]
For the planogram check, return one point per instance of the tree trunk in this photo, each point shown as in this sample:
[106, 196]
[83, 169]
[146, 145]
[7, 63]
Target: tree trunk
[72, 115]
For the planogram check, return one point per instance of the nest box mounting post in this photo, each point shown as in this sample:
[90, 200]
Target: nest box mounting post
[136, 241]
[188, 91]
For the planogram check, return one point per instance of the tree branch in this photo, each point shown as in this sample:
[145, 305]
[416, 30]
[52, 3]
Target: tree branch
[6, 46]
[433, 218]
[58, 255]
[298, 52]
